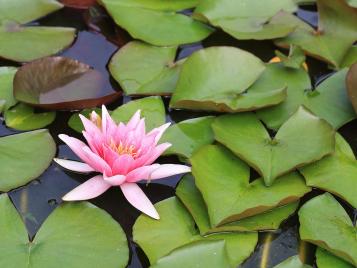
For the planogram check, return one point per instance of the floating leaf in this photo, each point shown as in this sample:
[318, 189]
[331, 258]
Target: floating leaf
[40, 41]
[351, 82]
[324, 259]
[350, 58]
[335, 35]
[336, 173]
[188, 136]
[352, 3]
[143, 69]
[223, 180]
[324, 222]
[6, 79]
[78, 3]
[23, 11]
[249, 19]
[23, 117]
[301, 140]
[218, 79]
[177, 224]
[295, 59]
[292, 262]
[193, 201]
[63, 239]
[61, 83]
[160, 20]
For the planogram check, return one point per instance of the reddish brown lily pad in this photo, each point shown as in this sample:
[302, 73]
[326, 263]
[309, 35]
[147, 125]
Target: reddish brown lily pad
[83, 4]
[59, 83]
[351, 81]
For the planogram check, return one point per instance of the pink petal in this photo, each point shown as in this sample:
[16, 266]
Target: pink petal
[133, 122]
[88, 190]
[74, 165]
[115, 180]
[159, 131]
[168, 170]
[108, 125]
[141, 173]
[156, 153]
[92, 142]
[91, 128]
[123, 164]
[138, 199]
[75, 145]
[97, 162]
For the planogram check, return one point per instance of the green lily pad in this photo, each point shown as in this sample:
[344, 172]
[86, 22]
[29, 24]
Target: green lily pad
[218, 79]
[193, 201]
[63, 239]
[6, 90]
[351, 82]
[350, 58]
[152, 108]
[292, 262]
[23, 117]
[334, 37]
[160, 20]
[352, 3]
[328, 101]
[177, 224]
[336, 173]
[223, 180]
[143, 69]
[23, 11]
[303, 139]
[75, 122]
[295, 59]
[188, 136]
[325, 223]
[324, 259]
[40, 41]
[16, 155]
[249, 19]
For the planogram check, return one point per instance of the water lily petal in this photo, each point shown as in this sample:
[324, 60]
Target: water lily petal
[75, 145]
[168, 170]
[74, 165]
[91, 128]
[138, 199]
[97, 162]
[88, 190]
[123, 164]
[159, 131]
[115, 180]
[141, 173]
[156, 153]
[108, 125]
[133, 122]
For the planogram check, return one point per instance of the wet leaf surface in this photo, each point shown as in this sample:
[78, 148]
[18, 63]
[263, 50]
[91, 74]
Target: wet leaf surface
[292, 262]
[351, 82]
[324, 259]
[6, 89]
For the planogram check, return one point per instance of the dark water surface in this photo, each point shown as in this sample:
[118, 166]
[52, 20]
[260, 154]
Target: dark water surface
[98, 39]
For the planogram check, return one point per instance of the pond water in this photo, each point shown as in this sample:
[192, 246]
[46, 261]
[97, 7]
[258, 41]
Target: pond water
[97, 41]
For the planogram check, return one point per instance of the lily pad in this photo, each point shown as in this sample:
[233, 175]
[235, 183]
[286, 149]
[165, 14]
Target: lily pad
[176, 223]
[223, 180]
[303, 139]
[218, 79]
[16, 157]
[292, 262]
[324, 259]
[350, 58]
[295, 59]
[249, 19]
[6, 90]
[325, 223]
[40, 41]
[160, 20]
[63, 239]
[61, 83]
[335, 35]
[188, 136]
[193, 201]
[143, 69]
[351, 82]
[23, 117]
[336, 173]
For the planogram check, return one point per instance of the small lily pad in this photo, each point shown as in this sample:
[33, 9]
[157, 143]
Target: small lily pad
[160, 20]
[325, 223]
[61, 83]
[7, 75]
[143, 69]
[63, 239]
[17, 153]
[351, 82]
[336, 173]
[218, 79]
[23, 117]
[303, 139]
[223, 180]
[292, 262]
[324, 259]
[188, 136]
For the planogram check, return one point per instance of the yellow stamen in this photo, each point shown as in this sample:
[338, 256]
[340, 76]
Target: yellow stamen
[121, 149]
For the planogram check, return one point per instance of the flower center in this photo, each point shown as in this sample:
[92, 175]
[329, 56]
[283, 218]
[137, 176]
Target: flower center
[124, 149]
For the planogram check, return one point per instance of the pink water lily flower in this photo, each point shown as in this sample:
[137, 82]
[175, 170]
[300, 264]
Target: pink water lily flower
[122, 154]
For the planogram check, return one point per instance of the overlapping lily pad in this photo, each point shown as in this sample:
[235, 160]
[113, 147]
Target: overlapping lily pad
[335, 35]
[160, 19]
[61, 83]
[303, 139]
[193, 201]
[188, 136]
[63, 239]
[351, 82]
[249, 19]
[324, 259]
[218, 79]
[292, 262]
[177, 224]
[17, 154]
[350, 58]
[6, 89]
[324, 222]
[142, 69]
[336, 173]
